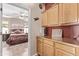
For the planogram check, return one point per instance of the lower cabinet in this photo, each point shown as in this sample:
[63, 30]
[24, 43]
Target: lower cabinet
[44, 48]
[77, 51]
[39, 47]
[65, 47]
[59, 52]
[49, 47]
[48, 50]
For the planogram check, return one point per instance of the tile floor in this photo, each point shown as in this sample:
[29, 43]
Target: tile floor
[15, 50]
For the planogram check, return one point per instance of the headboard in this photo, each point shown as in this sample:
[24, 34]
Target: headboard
[16, 31]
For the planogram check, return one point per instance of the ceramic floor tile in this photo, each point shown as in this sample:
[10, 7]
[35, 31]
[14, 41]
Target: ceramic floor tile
[15, 50]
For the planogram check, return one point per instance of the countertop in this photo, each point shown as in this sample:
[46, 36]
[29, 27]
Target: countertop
[68, 41]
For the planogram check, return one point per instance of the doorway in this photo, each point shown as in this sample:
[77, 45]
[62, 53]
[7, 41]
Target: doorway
[14, 30]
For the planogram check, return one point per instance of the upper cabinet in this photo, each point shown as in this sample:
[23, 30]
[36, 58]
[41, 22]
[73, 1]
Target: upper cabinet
[44, 18]
[61, 14]
[52, 14]
[78, 12]
[69, 11]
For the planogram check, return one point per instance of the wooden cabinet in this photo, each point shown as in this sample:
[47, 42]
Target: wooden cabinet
[52, 15]
[39, 46]
[49, 47]
[69, 12]
[77, 51]
[44, 18]
[59, 52]
[64, 50]
[44, 48]
[48, 50]
[78, 12]
[65, 47]
[49, 42]
[60, 14]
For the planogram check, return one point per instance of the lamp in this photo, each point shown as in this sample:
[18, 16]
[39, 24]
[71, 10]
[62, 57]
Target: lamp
[36, 18]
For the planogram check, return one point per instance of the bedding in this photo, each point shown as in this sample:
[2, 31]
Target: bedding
[17, 39]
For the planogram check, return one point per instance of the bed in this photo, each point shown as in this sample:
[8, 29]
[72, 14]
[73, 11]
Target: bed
[17, 37]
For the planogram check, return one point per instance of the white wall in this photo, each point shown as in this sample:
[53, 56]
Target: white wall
[35, 27]
[0, 32]
[15, 23]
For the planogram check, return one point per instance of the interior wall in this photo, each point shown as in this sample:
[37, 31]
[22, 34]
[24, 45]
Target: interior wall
[15, 23]
[71, 31]
[0, 33]
[35, 27]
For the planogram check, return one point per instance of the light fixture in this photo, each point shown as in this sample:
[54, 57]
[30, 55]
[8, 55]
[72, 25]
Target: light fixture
[36, 18]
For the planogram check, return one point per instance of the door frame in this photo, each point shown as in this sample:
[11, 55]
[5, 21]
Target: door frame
[29, 32]
[1, 30]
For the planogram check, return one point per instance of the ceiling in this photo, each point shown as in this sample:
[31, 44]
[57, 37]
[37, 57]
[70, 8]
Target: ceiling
[17, 11]
[22, 5]
[10, 10]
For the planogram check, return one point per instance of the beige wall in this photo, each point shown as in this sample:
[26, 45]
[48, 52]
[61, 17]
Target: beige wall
[0, 31]
[35, 27]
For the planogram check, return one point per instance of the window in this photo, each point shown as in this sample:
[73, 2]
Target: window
[26, 30]
[5, 30]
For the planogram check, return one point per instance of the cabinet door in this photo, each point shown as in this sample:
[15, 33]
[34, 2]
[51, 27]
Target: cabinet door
[69, 12]
[39, 47]
[78, 12]
[60, 14]
[48, 50]
[44, 18]
[65, 47]
[53, 15]
[59, 52]
[77, 51]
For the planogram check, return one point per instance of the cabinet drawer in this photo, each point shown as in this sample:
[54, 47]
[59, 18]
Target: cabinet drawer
[66, 48]
[40, 39]
[48, 50]
[59, 52]
[49, 42]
